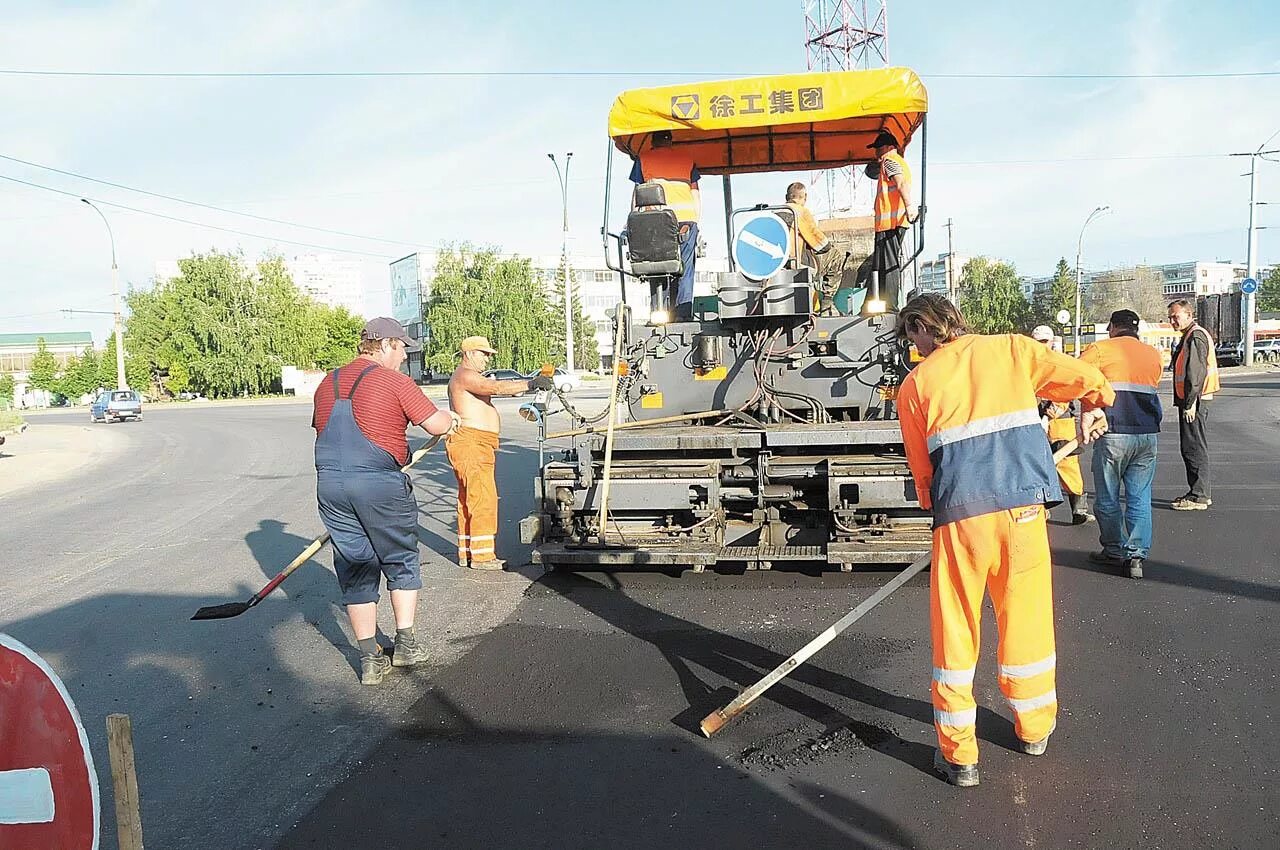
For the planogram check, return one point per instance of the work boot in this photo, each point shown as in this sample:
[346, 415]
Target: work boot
[373, 666]
[1079, 510]
[408, 651]
[1134, 565]
[960, 775]
[1190, 503]
[1105, 559]
[491, 564]
[1038, 748]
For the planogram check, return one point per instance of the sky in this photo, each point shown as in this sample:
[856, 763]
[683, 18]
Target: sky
[417, 162]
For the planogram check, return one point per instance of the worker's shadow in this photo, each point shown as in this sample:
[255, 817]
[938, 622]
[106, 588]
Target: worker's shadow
[684, 643]
[312, 588]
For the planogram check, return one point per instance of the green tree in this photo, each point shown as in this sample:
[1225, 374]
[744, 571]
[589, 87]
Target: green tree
[1058, 296]
[586, 350]
[991, 298]
[7, 386]
[1268, 299]
[223, 328]
[44, 368]
[137, 370]
[1139, 289]
[79, 376]
[477, 293]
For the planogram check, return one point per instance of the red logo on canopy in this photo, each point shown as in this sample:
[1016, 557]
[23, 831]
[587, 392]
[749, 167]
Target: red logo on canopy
[48, 787]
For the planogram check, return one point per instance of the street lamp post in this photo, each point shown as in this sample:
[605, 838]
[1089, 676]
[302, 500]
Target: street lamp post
[1247, 330]
[121, 381]
[563, 177]
[1079, 249]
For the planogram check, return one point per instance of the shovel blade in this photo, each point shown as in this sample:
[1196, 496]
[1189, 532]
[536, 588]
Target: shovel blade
[221, 612]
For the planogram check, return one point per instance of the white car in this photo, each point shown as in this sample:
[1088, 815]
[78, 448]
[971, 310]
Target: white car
[565, 383]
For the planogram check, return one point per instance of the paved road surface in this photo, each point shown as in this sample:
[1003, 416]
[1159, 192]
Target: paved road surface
[562, 712]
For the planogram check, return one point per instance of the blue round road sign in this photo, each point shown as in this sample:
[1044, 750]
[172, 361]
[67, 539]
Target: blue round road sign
[1249, 286]
[760, 248]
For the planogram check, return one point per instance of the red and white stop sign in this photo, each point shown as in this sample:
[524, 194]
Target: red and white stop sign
[48, 787]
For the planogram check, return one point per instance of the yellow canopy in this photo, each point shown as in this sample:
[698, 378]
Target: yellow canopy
[792, 122]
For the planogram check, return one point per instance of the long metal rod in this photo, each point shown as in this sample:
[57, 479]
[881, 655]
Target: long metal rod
[728, 219]
[621, 314]
[714, 721]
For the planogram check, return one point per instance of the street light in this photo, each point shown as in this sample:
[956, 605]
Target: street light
[1079, 248]
[563, 177]
[121, 382]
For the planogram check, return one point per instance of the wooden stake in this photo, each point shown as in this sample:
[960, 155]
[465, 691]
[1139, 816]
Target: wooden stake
[124, 781]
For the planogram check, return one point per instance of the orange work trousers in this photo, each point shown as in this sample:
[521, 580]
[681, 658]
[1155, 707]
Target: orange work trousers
[471, 453]
[1006, 552]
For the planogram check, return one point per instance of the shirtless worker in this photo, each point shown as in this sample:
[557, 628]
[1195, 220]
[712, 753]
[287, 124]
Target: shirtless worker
[472, 447]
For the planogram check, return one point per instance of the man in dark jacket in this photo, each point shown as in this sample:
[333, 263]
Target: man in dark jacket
[1195, 380]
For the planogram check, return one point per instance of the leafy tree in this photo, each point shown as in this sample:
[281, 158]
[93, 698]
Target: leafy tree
[991, 298]
[7, 386]
[137, 371]
[44, 368]
[223, 328]
[1268, 298]
[476, 293]
[1138, 289]
[586, 351]
[1059, 295]
[79, 376]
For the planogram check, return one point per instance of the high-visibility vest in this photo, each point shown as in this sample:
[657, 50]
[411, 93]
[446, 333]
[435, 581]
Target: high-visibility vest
[1062, 427]
[674, 170]
[971, 428]
[1134, 369]
[891, 206]
[1211, 382]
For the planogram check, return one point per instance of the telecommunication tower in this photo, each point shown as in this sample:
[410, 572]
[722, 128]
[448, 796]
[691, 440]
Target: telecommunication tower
[844, 35]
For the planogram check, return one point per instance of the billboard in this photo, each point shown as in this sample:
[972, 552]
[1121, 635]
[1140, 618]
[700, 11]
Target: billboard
[406, 290]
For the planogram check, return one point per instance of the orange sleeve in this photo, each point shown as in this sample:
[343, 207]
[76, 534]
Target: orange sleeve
[912, 422]
[1057, 377]
[1093, 357]
[809, 229]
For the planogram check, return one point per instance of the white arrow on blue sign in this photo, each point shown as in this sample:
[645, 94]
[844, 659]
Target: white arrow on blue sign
[1249, 286]
[760, 248]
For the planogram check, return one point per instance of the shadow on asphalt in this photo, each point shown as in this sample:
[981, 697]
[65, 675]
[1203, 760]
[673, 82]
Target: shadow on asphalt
[311, 587]
[1178, 575]
[685, 644]
[447, 780]
[218, 688]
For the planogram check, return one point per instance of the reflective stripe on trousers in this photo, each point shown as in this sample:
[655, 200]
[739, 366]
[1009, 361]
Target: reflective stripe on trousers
[471, 453]
[1007, 554]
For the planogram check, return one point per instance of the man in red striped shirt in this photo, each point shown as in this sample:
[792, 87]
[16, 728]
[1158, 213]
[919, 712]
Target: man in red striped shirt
[366, 502]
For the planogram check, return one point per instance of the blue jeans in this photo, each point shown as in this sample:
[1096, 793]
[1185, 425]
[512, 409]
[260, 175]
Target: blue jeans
[1131, 459]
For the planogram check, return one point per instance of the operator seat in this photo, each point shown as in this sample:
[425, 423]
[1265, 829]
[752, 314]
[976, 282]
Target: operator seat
[653, 234]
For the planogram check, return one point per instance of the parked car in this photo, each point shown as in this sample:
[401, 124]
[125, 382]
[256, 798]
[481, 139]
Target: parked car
[116, 405]
[1266, 350]
[563, 380]
[504, 375]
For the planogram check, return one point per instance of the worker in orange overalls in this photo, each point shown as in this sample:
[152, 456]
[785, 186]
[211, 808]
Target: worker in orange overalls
[1059, 422]
[980, 461]
[472, 449]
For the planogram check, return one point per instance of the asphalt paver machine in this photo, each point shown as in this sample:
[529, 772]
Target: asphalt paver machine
[761, 432]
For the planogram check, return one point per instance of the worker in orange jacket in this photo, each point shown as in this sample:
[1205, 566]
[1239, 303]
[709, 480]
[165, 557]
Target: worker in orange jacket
[981, 463]
[1059, 421]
